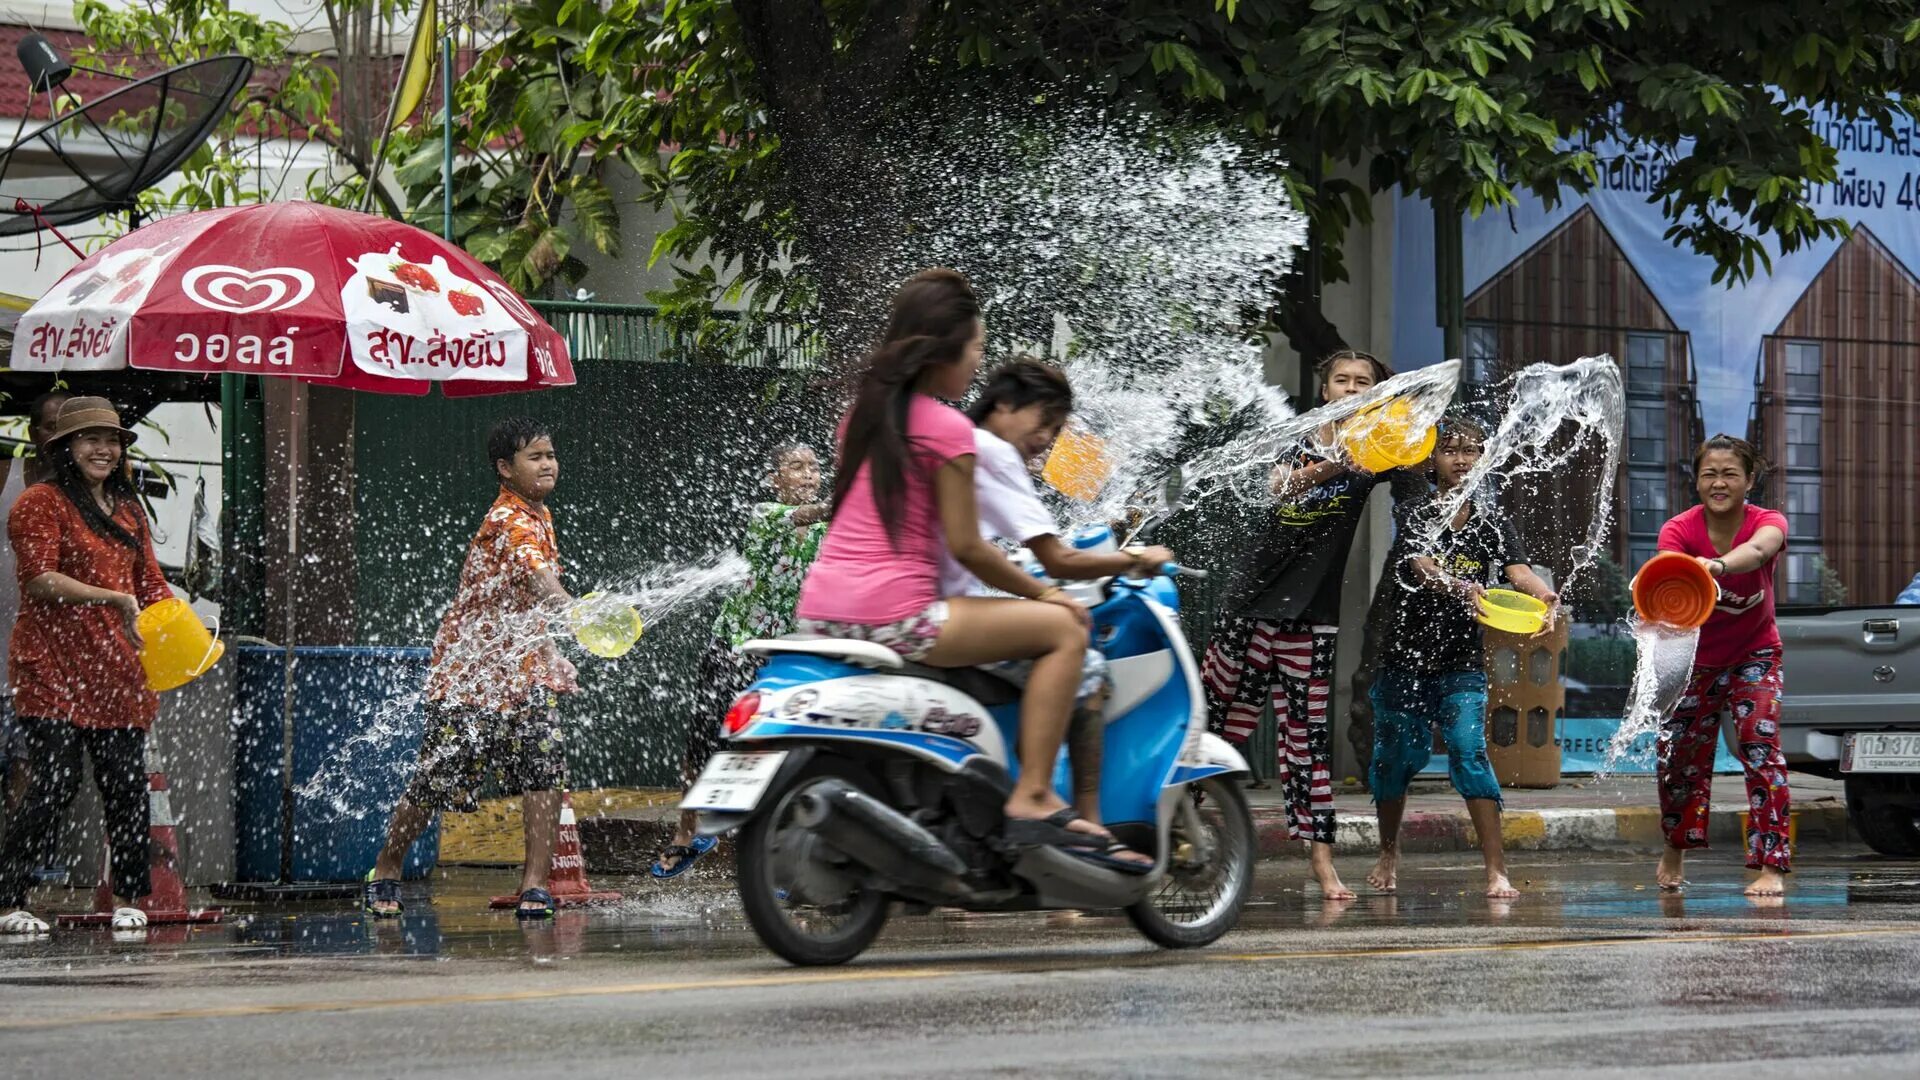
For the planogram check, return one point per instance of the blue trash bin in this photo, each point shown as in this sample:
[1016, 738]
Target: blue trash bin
[356, 714]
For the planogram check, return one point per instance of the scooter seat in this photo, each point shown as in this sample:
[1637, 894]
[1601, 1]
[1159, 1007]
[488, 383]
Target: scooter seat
[983, 686]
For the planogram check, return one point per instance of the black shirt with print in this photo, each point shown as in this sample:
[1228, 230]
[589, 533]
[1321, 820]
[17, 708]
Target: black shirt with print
[1429, 630]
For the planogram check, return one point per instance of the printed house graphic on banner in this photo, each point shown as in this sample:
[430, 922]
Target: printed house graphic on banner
[1575, 293]
[1837, 411]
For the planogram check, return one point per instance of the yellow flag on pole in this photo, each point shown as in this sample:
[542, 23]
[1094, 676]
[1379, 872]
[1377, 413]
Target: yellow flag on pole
[417, 74]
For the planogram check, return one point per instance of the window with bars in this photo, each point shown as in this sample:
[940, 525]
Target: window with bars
[1803, 369]
[1647, 504]
[1482, 345]
[1646, 363]
[1803, 577]
[1803, 438]
[1803, 506]
[1647, 435]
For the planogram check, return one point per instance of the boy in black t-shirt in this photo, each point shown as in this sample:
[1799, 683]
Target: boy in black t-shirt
[1432, 671]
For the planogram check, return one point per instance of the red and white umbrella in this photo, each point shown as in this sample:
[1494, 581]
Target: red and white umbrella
[302, 290]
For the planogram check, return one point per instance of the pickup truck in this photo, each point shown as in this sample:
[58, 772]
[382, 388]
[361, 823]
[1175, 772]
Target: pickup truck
[1852, 709]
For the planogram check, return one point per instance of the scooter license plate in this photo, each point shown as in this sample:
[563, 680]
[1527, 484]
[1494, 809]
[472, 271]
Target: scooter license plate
[734, 780]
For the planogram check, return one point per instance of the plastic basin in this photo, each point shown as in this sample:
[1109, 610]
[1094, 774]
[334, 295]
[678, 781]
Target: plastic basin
[1674, 590]
[1386, 436]
[1513, 612]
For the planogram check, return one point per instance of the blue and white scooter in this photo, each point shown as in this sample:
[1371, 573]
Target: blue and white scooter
[857, 779]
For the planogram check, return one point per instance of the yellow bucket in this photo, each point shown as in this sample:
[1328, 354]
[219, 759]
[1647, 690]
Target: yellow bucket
[603, 628]
[176, 647]
[1078, 467]
[1383, 437]
[1514, 612]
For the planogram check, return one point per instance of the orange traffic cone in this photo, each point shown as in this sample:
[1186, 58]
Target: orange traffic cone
[567, 881]
[167, 903]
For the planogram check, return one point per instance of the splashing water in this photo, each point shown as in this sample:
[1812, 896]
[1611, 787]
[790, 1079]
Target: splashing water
[355, 778]
[1555, 415]
[1663, 663]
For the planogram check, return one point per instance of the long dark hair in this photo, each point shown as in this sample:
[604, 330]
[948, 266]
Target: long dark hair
[73, 483]
[933, 318]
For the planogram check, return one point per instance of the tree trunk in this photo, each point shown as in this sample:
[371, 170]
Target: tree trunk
[827, 109]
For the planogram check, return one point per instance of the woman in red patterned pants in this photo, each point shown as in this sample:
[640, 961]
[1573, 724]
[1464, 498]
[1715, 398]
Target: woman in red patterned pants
[1736, 670]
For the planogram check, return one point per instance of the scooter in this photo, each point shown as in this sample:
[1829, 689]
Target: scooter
[857, 779]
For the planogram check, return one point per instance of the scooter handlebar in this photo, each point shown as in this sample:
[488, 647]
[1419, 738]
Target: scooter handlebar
[1176, 570]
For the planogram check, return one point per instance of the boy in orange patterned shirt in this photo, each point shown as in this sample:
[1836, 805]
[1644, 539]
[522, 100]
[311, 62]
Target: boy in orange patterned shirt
[491, 694]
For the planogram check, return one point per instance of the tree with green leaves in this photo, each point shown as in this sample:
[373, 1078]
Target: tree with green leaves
[771, 127]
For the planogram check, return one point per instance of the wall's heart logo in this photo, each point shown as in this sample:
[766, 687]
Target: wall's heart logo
[229, 288]
[512, 302]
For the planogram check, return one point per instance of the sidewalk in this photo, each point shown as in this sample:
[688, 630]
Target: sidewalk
[623, 830]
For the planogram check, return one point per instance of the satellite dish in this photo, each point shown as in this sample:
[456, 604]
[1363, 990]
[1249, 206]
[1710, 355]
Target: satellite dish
[98, 157]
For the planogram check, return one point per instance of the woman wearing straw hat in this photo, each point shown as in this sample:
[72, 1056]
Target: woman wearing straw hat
[86, 564]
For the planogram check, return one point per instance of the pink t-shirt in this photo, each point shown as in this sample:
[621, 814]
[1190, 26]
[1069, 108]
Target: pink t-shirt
[860, 577]
[1743, 619]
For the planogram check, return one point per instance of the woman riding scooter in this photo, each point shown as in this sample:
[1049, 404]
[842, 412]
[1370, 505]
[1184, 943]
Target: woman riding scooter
[904, 491]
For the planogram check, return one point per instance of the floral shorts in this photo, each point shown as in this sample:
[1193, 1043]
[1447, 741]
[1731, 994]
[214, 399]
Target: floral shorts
[912, 637]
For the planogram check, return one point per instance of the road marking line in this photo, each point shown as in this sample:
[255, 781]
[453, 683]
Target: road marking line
[904, 974]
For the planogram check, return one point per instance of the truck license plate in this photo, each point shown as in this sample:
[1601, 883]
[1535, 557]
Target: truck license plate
[1881, 751]
[733, 781]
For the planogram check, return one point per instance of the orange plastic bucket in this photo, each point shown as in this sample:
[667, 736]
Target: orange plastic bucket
[1078, 467]
[1674, 590]
[1385, 437]
[176, 648]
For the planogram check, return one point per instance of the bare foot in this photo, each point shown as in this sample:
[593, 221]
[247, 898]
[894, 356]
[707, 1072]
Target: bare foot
[1771, 882]
[1498, 887]
[1327, 877]
[1385, 874]
[1671, 875]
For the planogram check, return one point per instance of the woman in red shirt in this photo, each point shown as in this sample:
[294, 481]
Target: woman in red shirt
[86, 567]
[1736, 670]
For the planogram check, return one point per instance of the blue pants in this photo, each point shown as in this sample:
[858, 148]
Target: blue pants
[1406, 707]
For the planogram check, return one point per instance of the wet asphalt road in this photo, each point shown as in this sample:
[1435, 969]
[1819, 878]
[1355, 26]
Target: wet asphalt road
[1592, 973]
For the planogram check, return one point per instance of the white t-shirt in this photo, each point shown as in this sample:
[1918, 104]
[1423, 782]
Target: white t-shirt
[1010, 509]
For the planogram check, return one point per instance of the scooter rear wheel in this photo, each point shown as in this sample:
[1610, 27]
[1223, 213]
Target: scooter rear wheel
[767, 859]
[1200, 899]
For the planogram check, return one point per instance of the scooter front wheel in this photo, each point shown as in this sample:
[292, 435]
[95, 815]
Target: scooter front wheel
[804, 900]
[1209, 873]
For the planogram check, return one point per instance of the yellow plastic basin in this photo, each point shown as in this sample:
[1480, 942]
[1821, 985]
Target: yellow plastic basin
[1514, 612]
[1386, 436]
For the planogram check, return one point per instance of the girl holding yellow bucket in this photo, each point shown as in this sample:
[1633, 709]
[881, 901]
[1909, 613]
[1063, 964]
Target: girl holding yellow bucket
[1279, 615]
[1432, 672]
[86, 565]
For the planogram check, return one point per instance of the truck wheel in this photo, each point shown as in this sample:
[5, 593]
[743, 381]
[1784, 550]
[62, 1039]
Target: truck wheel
[1886, 810]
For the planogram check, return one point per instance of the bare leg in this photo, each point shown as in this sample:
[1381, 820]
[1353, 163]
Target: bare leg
[1672, 873]
[979, 631]
[1485, 814]
[1086, 744]
[409, 821]
[1320, 860]
[683, 832]
[1386, 872]
[541, 812]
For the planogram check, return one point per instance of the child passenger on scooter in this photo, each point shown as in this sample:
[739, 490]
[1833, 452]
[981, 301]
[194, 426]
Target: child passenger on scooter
[903, 493]
[1020, 413]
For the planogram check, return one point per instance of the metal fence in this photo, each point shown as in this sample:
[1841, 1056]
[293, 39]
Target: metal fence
[639, 332]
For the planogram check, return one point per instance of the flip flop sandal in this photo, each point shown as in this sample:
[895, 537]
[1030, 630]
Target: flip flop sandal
[683, 856]
[536, 896]
[1052, 831]
[1108, 857]
[381, 891]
